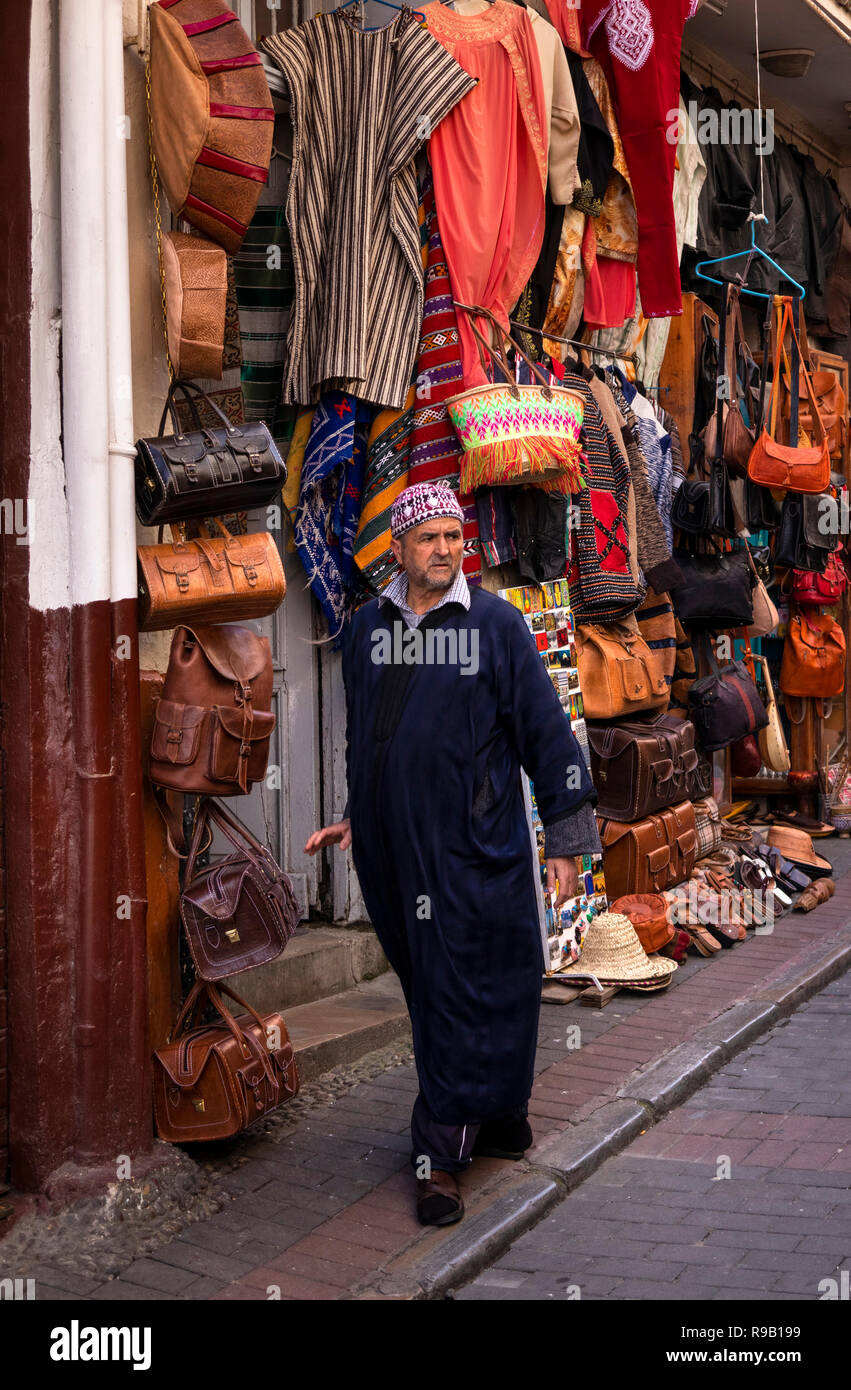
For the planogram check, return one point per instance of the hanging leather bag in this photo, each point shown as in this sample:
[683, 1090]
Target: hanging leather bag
[765, 615]
[717, 593]
[641, 766]
[652, 855]
[813, 590]
[213, 723]
[784, 465]
[703, 503]
[813, 657]
[792, 549]
[241, 911]
[725, 706]
[737, 438]
[617, 674]
[204, 471]
[213, 1081]
[220, 579]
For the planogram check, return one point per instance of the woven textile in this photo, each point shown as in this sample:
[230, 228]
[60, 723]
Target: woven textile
[330, 499]
[418, 444]
[602, 588]
[707, 824]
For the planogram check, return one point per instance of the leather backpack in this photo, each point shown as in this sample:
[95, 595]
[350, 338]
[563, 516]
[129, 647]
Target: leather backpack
[214, 722]
[213, 1081]
[642, 766]
[813, 657]
[617, 673]
[813, 590]
[241, 911]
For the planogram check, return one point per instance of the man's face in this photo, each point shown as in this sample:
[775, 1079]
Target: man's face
[431, 554]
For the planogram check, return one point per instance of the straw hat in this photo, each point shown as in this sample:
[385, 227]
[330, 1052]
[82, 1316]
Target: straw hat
[613, 952]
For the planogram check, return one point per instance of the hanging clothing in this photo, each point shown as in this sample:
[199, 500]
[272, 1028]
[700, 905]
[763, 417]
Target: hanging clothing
[330, 500]
[489, 163]
[441, 843]
[638, 45]
[419, 444]
[362, 104]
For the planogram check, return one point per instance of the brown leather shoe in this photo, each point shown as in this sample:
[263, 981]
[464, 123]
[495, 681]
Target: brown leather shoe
[439, 1199]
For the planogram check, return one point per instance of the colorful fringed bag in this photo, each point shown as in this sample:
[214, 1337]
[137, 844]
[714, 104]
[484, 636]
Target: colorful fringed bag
[514, 435]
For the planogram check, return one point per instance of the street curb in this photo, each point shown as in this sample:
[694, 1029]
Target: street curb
[563, 1161]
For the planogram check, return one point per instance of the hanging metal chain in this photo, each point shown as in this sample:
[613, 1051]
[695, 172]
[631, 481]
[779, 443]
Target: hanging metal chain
[155, 186]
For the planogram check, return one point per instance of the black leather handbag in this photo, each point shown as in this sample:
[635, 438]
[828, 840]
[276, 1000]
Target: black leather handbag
[717, 593]
[725, 706]
[206, 471]
[794, 546]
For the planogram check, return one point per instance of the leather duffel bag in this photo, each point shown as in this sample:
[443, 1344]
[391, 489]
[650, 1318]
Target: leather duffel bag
[648, 913]
[214, 722]
[726, 706]
[641, 766]
[717, 593]
[241, 911]
[617, 673]
[652, 855]
[214, 1081]
[205, 471]
[213, 579]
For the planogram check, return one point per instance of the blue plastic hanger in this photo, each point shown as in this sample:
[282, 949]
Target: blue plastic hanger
[752, 251]
[374, 28]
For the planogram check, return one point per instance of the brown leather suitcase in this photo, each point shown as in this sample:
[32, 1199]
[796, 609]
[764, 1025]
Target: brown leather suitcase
[651, 856]
[640, 766]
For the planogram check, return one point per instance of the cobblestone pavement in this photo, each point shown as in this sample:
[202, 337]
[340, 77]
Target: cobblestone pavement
[744, 1192]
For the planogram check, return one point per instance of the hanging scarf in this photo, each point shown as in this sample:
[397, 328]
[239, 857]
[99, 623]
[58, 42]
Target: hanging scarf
[329, 500]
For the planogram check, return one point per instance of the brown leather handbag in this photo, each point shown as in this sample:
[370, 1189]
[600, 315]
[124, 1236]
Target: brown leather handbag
[213, 579]
[832, 408]
[783, 465]
[214, 1081]
[738, 439]
[241, 911]
[214, 721]
[651, 856]
[648, 913]
[641, 766]
[617, 672]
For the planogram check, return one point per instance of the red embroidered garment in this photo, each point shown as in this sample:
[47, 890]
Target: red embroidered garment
[638, 43]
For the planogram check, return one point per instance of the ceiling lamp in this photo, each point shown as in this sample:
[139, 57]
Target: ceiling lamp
[787, 62]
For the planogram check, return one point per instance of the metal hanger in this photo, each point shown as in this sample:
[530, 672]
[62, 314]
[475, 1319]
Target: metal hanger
[388, 4]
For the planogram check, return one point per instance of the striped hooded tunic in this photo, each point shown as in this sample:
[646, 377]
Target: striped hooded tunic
[362, 104]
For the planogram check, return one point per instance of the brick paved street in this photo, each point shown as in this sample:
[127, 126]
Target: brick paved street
[664, 1221]
[321, 1206]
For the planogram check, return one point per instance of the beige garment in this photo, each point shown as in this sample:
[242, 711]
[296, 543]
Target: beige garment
[561, 111]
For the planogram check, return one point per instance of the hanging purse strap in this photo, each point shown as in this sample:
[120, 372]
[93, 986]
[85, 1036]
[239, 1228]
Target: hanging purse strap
[170, 409]
[787, 320]
[766, 361]
[723, 371]
[505, 337]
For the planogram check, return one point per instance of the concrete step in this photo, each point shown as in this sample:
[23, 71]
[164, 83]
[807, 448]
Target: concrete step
[339, 1030]
[319, 962]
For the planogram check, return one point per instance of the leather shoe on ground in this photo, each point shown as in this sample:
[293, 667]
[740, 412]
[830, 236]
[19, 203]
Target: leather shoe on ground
[503, 1139]
[439, 1200]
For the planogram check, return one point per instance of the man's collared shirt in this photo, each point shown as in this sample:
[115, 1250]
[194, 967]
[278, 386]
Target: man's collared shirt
[397, 592]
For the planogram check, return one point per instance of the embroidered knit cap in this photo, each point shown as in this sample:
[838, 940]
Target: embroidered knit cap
[420, 503]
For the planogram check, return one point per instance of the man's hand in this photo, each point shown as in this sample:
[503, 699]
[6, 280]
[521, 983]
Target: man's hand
[339, 835]
[565, 871]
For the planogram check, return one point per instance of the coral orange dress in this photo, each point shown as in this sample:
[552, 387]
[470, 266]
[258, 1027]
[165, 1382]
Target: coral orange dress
[489, 163]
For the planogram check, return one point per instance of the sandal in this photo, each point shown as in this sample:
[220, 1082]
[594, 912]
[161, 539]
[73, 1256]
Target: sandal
[817, 893]
[703, 941]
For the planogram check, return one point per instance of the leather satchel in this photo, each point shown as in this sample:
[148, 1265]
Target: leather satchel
[219, 579]
[799, 544]
[213, 1081]
[783, 465]
[214, 722]
[652, 855]
[617, 673]
[241, 911]
[831, 405]
[205, 472]
[717, 594]
[641, 766]
[737, 437]
[813, 590]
